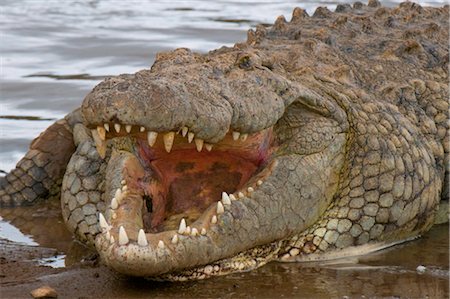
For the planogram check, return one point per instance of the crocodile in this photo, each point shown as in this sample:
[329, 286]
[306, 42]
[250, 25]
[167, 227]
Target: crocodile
[317, 138]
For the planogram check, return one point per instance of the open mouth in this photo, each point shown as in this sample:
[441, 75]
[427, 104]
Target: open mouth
[177, 185]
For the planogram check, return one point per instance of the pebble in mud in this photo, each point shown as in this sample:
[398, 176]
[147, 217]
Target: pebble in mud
[44, 292]
[421, 269]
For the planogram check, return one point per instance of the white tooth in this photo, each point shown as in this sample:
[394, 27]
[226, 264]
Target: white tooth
[168, 141]
[203, 231]
[142, 239]
[182, 227]
[151, 138]
[226, 199]
[117, 127]
[123, 238]
[108, 236]
[184, 131]
[194, 232]
[244, 137]
[236, 135]
[208, 147]
[102, 220]
[220, 208]
[101, 132]
[214, 219]
[112, 240]
[188, 230]
[175, 239]
[99, 143]
[199, 144]
[128, 128]
[118, 195]
[250, 189]
[125, 188]
[241, 195]
[232, 197]
[259, 182]
[114, 203]
[190, 137]
[161, 244]
[123, 182]
[141, 129]
[106, 125]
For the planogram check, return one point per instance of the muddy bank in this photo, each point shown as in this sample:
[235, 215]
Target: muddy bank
[390, 273]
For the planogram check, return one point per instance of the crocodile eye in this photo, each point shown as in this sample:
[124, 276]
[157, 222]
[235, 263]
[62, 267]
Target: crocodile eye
[245, 62]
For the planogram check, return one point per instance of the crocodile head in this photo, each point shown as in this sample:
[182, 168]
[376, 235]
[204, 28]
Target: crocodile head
[210, 156]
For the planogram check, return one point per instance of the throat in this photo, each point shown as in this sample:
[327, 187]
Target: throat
[184, 183]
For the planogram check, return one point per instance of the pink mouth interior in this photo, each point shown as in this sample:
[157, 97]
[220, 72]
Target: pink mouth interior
[184, 182]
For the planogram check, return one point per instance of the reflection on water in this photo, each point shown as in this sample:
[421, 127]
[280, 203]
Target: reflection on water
[54, 52]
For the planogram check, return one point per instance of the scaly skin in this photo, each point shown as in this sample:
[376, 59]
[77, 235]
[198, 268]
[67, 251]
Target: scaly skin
[347, 109]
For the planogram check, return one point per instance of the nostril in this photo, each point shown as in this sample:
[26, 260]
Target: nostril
[148, 203]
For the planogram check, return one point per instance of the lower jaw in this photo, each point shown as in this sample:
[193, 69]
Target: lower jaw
[168, 250]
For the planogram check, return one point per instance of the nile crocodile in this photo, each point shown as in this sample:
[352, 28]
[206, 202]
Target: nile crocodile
[322, 137]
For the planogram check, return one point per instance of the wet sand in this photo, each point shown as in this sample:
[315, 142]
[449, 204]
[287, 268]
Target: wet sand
[390, 273]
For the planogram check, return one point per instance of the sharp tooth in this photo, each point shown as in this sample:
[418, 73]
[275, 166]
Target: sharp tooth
[118, 195]
[203, 231]
[220, 208]
[123, 182]
[236, 135]
[99, 144]
[114, 203]
[259, 182]
[188, 230]
[241, 195]
[151, 138]
[142, 239]
[199, 144]
[184, 131]
[106, 125]
[141, 129]
[250, 189]
[182, 227]
[101, 132]
[190, 137]
[168, 141]
[112, 240]
[117, 127]
[214, 219]
[175, 239]
[123, 238]
[208, 147]
[226, 199]
[125, 188]
[102, 220]
[128, 128]
[161, 244]
[108, 236]
[194, 232]
[244, 137]
[232, 197]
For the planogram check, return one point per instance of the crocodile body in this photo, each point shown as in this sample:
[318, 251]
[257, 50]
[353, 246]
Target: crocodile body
[321, 137]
